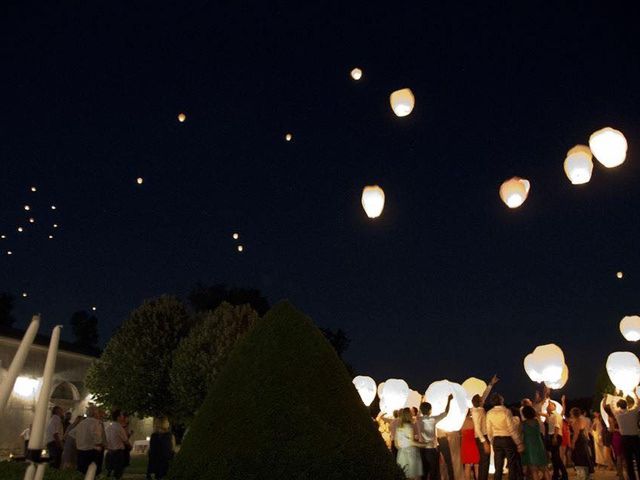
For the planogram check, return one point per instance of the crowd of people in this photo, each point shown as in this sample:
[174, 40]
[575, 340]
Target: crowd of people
[533, 440]
[89, 439]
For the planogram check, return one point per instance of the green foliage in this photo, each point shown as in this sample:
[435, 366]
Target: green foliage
[6, 307]
[283, 407]
[85, 329]
[201, 355]
[133, 371]
[15, 471]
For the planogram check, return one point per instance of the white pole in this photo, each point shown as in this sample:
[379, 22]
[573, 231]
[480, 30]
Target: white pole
[30, 472]
[91, 472]
[36, 440]
[6, 387]
[40, 471]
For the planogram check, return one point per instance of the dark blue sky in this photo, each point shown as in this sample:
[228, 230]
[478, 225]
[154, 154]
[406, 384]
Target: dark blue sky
[447, 283]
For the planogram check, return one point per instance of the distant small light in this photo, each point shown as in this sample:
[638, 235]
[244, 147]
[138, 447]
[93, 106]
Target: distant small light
[34, 189]
[53, 207]
[181, 117]
[24, 294]
[356, 73]
[240, 248]
[31, 220]
[93, 308]
[619, 274]
[27, 208]
[9, 252]
[288, 137]
[55, 225]
[20, 229]
[236, 236]
[139, 180]
[50, 237]
[3, 236]
[148, 438]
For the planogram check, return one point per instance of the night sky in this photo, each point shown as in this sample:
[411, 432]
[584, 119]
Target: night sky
[447, 283]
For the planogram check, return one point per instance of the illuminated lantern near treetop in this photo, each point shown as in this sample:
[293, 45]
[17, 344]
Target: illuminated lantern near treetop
[366, 388]
[473, 386]
[413, 399]
[394, 393]
[578, 164]
[560, 383]
[608, 146]
[514, 191]
[437, 395]
[372, 200]
[624, 371]
[630, 328]
[402, 102]
[545, 364]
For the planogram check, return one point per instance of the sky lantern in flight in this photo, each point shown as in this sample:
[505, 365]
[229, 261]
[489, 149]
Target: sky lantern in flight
[514, 191]
[545, 364]
[139, 180]
[366, 387]
[288, 137]
[356, 74]
[394, 393]
[473, 386]
[630, 328]
[437, 395]
[414, 399]
[578, 164]
[619, 275]
[624, 371]
[181, 117]
[372, 200]
[563, 379]
[402, 102]
[608, 146]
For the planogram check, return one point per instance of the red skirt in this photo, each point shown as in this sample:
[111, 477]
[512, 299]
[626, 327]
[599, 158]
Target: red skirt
[469, 451]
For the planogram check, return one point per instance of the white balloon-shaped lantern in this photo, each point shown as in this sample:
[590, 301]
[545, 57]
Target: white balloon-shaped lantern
[473, 386]
[624, 371]
[394, 394]
[560, 383]
[437, 395]
[514, 191]
[402, 102]
[630, 328]
[356, 73]
[373, 200]
[413, 399]
[545, 364]
[578, 164]
[366, 387]
[608, 146]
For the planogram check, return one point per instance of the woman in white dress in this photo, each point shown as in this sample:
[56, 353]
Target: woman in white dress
[408, 454]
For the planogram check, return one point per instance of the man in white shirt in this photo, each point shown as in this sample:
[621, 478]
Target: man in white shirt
[53, 439]
[117, 444]
[479, 417]
[554, 422]
[505, 438]
[426, 429]
[90, 440]
[627, 419]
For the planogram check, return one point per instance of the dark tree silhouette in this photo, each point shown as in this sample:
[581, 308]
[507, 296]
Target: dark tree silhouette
[203, 298]
[85, 329]
[338, 339]
[6, 307]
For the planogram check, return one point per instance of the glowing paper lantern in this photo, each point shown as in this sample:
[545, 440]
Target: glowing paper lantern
[560, 383]
[514, 191]
[437, 395]
[236, 236]
[578, 164]
[366, 388]
[394, 393]
[182, 117]
[545, 364]
[473, 386]
[139, 180]
[624, 371]
[25, 387]
[413, 399]
[288, 137]
[402, 102]
[356, 73]
[619, 275]
[372, 200]
[630, 328]
[608, 146]
[240, 248]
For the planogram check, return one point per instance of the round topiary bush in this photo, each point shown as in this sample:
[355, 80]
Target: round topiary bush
[283, 407]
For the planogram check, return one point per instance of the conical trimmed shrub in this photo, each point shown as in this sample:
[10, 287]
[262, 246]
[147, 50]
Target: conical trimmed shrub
[283, 407]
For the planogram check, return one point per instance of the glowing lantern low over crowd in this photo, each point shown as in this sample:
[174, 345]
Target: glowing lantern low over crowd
[366, 388]
[609, 147]
[560, 383]
[545, 364]
[624, 371]
[413, 399]
[437, 395]
[402, 102]
[578, 164]
[394, 394]
[514, 191]
[630, 328]
[473, 386]
[373, 200]
[26, 387]
[356, 73]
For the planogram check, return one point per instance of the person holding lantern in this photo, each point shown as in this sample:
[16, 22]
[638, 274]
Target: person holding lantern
[505, 439]
[479, 416]
[554, 425]
[426, 426]
[627, 419]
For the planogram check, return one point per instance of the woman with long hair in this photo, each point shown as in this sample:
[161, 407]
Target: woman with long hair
[534, 457]
[580, 444]
[469, 453]
[408, 454]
